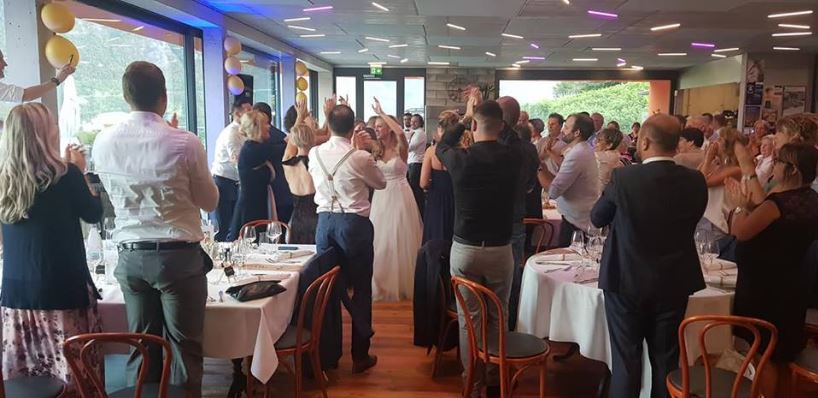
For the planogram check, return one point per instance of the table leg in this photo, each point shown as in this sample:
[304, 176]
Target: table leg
[239, 383]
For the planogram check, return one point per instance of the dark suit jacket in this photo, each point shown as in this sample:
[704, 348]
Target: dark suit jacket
[653, 210]
[281, 189]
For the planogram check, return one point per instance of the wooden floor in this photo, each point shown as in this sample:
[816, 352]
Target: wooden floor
[404, 370]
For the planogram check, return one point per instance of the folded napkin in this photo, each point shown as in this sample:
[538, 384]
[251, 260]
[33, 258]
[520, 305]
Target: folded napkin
[545, 258]
[257, 278]
[723, 278]
[719, 264]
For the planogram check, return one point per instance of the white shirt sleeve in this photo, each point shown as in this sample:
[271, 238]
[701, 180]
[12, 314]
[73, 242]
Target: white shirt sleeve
[203, 190]
[11, 93]
[417, 140]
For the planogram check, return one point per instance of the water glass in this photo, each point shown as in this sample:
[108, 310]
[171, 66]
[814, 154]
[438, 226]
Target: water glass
[578, 243]
[274, 233]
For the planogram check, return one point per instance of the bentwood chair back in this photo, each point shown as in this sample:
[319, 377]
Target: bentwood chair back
[545, 229]
[513, 352]
[78, 352]
[285, 228]
[447, 322]
[707, 381]
[300, 340]
[805, 366]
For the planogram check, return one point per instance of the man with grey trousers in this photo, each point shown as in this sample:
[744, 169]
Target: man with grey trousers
[158, 181]
[484, 179]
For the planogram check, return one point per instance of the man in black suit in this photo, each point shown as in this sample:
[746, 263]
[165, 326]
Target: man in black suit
[650, 266]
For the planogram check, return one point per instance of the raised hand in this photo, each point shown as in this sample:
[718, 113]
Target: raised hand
[376, 106]
[74, 154]
[736, 194]
[745, 159]
[65, 71]
[329, 104]
[343, 101]
[174, 121]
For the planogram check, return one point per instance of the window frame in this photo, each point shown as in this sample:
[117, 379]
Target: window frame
[277, 59]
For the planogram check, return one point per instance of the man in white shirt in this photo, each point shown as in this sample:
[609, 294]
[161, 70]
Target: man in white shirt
[225, 167]
[18, 95]
[416, 136]
[599, 123]
[551, 147]
[576, 185]
[158, 181]
[343, 175]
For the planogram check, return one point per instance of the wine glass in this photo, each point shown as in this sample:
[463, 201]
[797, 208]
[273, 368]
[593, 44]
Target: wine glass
[249, 236]
[711, 251]
[578, 243]
[595, 247]
[273, 233]
[108, 226]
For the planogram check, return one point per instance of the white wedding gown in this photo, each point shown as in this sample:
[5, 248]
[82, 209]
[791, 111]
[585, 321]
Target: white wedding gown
[398, 234]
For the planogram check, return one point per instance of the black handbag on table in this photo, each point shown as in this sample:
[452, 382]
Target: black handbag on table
[255, 290]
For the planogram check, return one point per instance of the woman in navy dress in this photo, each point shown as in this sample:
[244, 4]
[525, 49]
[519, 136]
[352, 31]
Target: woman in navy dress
[255, 174]
[439, 212]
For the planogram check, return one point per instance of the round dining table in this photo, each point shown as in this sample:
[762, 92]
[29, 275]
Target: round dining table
[561, 301]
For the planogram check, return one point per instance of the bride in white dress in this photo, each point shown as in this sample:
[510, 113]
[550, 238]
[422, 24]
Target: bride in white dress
[394, 215]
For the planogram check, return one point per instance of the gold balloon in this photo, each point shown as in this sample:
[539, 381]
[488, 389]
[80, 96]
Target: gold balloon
[232, 45]
[59, 52]
[235, 85]
[57, 18]
[232, 66]
[301, 97]
[301, 84]
[300, 68]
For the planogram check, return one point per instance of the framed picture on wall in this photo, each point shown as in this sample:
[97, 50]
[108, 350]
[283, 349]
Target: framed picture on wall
[794, 100]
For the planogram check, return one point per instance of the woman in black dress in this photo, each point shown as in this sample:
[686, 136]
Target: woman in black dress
[773, 239]
[439, 211]
[255, 174]
[296, 166]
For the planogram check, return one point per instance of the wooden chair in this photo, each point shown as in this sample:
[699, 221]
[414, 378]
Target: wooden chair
[510, 351]
[31, 387]
[448, 317]
[708, 381]
[285, 228]
[299, 340]
[545, 237]
[805, 366]
[78, 350]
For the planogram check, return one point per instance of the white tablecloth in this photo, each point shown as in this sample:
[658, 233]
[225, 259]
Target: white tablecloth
[553, 305]
[232, 329]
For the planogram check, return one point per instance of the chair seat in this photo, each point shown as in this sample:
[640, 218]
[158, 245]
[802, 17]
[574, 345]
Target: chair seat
[808, 359]
[33, 387]
[149, 390]
[518, 345]
[287, 340]
[721, 382]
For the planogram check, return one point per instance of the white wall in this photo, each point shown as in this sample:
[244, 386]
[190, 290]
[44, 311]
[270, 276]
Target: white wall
[725, 70]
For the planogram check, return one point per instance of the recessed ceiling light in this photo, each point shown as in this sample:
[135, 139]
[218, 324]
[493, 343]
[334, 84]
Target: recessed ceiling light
[244, 61]
[621, 62]
[321, 8]
[405, 60]
[535, 45]
[363, 50]
[491, 54]
[525, 61]
[672, 54]
[511, 36]
[637, 67]
[393, 56]
[377, 63]
[101, 20]
[379, 6]
[398, 45]
[603, 14]
[330, 52]
[585, 59]
[311, 36]
[726, 50]
[790, 14]
[665, 27]
[702, 45]
[301, 28]
[533, 58]
[568, 2]
[376, 39]
[606, 49]
[585, 36]
[438, 63]
[516, 65]
[450, 47]
[138, 28]
[792, 26]
[783, 34]
[718, 55]
[297, 19]
[453, 26]
[786, 48]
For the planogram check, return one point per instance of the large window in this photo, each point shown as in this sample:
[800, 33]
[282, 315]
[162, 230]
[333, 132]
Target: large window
[345, 86]
[386, 91]
[264, 70]
[414, 95]
[91, 100]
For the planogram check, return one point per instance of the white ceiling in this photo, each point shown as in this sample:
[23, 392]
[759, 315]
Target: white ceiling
[547, 23]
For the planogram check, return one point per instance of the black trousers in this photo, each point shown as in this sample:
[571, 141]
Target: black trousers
[228, 195]
[632, 321]
[566, 232]
[414, 181]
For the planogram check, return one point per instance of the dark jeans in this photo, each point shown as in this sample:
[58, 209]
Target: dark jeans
[351, 235]
[228, 195]
[165, 294]
[414, 181]
[566, 232]
[518, 237]
[632, 321]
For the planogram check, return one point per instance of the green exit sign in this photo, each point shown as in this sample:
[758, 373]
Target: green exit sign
[376, 70]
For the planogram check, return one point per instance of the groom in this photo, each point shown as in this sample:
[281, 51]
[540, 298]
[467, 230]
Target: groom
[343, 176]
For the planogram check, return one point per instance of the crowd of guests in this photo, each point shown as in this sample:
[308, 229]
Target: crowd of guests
[375, 192]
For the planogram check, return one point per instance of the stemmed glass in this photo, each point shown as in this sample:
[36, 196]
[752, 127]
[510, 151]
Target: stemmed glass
[273, 233]
[595, 247]
[578, 246]
[711, 251]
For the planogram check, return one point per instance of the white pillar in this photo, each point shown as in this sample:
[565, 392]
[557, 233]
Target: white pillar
[215, 87]
[324, 91]
[25, 43]
[287, 84]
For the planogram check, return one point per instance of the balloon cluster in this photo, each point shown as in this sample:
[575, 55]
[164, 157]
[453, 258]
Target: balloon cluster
[232, 65]
[59, 51]
[301, 83]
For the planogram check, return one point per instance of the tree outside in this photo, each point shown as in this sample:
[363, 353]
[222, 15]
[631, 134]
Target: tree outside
[624, 102]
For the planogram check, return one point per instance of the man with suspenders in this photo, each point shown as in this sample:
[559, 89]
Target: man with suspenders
[343, 176]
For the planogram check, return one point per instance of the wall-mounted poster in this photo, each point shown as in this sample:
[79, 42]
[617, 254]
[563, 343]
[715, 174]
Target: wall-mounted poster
[771, 111]
[794, 100]
[755, 94]
[751, 115]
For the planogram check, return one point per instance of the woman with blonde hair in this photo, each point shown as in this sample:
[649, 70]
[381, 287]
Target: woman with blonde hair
[255, 174]
[296, 170]
[720, 163]
[48, 294]
[394, 215]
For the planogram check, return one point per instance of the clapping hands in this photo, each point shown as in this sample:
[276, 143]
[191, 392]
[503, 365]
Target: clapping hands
[736, 194]
[376, 106]
[74, 153]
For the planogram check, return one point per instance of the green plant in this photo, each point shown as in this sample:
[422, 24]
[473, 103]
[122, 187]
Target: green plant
[625, 103]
